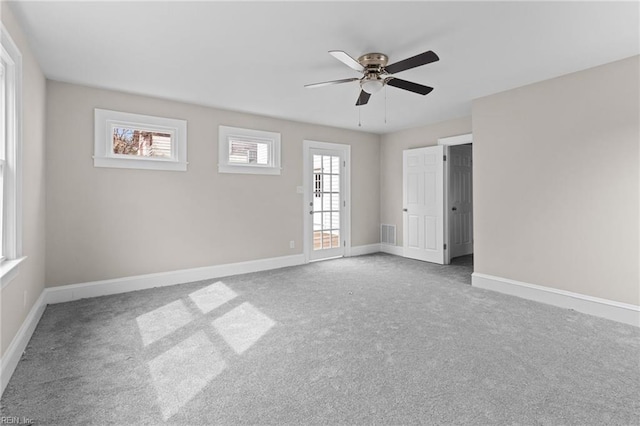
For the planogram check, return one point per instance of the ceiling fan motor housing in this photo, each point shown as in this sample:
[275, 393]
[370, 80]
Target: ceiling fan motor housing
[373, 62]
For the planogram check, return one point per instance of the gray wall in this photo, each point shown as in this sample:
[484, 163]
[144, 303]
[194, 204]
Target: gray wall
[30, 279]
[391, 148]
[105, 223]
[556, 183]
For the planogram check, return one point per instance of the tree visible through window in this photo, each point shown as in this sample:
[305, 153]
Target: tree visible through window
[141, 143]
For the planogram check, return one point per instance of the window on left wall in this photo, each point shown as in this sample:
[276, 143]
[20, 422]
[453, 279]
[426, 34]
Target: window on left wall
[10, 155]
[135, 141]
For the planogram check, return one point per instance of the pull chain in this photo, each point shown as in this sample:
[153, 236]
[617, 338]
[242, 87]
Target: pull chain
[385, 104]
[359, 116]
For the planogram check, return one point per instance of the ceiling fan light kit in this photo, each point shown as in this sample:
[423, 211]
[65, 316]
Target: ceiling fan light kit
[371, 84]
[377, 74]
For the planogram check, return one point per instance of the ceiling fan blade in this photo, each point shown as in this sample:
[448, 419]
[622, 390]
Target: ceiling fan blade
[414, 61]
[407, 85]
[328, 83]
[347, 60]
[363, 98]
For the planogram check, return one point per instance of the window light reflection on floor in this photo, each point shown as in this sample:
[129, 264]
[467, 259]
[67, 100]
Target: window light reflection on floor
[182, 371]
[212, 296]
[163, 321]
[243, 326]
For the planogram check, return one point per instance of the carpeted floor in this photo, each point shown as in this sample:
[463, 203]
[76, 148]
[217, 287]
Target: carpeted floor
[374, 339]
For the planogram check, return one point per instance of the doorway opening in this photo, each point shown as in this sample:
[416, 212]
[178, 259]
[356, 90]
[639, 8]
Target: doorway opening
[458, 199]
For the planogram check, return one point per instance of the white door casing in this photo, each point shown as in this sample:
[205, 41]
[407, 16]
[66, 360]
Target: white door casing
[423, 200]
[327, 220]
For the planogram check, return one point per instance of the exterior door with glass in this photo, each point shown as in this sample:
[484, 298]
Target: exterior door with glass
[326, 203]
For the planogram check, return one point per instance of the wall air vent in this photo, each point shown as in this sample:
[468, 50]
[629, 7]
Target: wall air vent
[388, 234]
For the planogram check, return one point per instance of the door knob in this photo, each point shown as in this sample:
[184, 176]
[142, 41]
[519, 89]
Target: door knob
[454, 208]
[404, 210]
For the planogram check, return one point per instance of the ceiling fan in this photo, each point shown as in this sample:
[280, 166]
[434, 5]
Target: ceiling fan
[377, 74]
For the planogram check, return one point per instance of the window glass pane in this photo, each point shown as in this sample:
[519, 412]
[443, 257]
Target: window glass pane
[3, 111]
[3, 138]
[248, 152]
[141, 143]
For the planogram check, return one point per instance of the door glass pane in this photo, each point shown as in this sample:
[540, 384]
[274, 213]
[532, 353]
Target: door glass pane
[335, 201]
[326, 202]
[335, 238]
[335, 220]
[326, 183]
[317, 221]
[326, 220]
[335, 165]
[326, 164]
[335, 183]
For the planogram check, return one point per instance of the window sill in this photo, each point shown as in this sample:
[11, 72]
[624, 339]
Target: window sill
[252, 170]
[9, 270]
[132, 163]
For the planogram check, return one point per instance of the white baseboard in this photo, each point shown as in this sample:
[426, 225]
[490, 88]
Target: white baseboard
[71, 292]
[366, 249]
[19, 343]
[395, 250]
[604, 308]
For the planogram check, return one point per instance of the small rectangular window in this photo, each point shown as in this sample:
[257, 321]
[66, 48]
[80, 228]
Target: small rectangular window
[248, 151]
[142, 143]
[135, 141]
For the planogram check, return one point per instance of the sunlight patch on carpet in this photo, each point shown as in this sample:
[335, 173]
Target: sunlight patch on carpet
[243, 326]
[212, 296]
[163, 321]
[183, 371]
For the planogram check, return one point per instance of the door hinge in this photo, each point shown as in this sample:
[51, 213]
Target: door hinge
[344, 243]
[344, 203]
[344, 163]
[445, 246]
[444, 158]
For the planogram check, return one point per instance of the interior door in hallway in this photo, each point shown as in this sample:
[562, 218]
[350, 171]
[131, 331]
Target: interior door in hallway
[460, 201]
[423, 200]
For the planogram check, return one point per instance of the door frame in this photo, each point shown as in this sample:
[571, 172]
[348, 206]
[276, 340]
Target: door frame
[345, 226]
[448, 142]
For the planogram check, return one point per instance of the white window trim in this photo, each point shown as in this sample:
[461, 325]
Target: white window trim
[272, 138]
[104, 156]
[12, 220]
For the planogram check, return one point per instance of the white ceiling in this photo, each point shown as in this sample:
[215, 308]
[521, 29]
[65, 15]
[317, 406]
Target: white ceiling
[257, 56]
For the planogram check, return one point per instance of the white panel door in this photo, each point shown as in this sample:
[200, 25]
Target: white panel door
[423, 199]
[460, 201]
